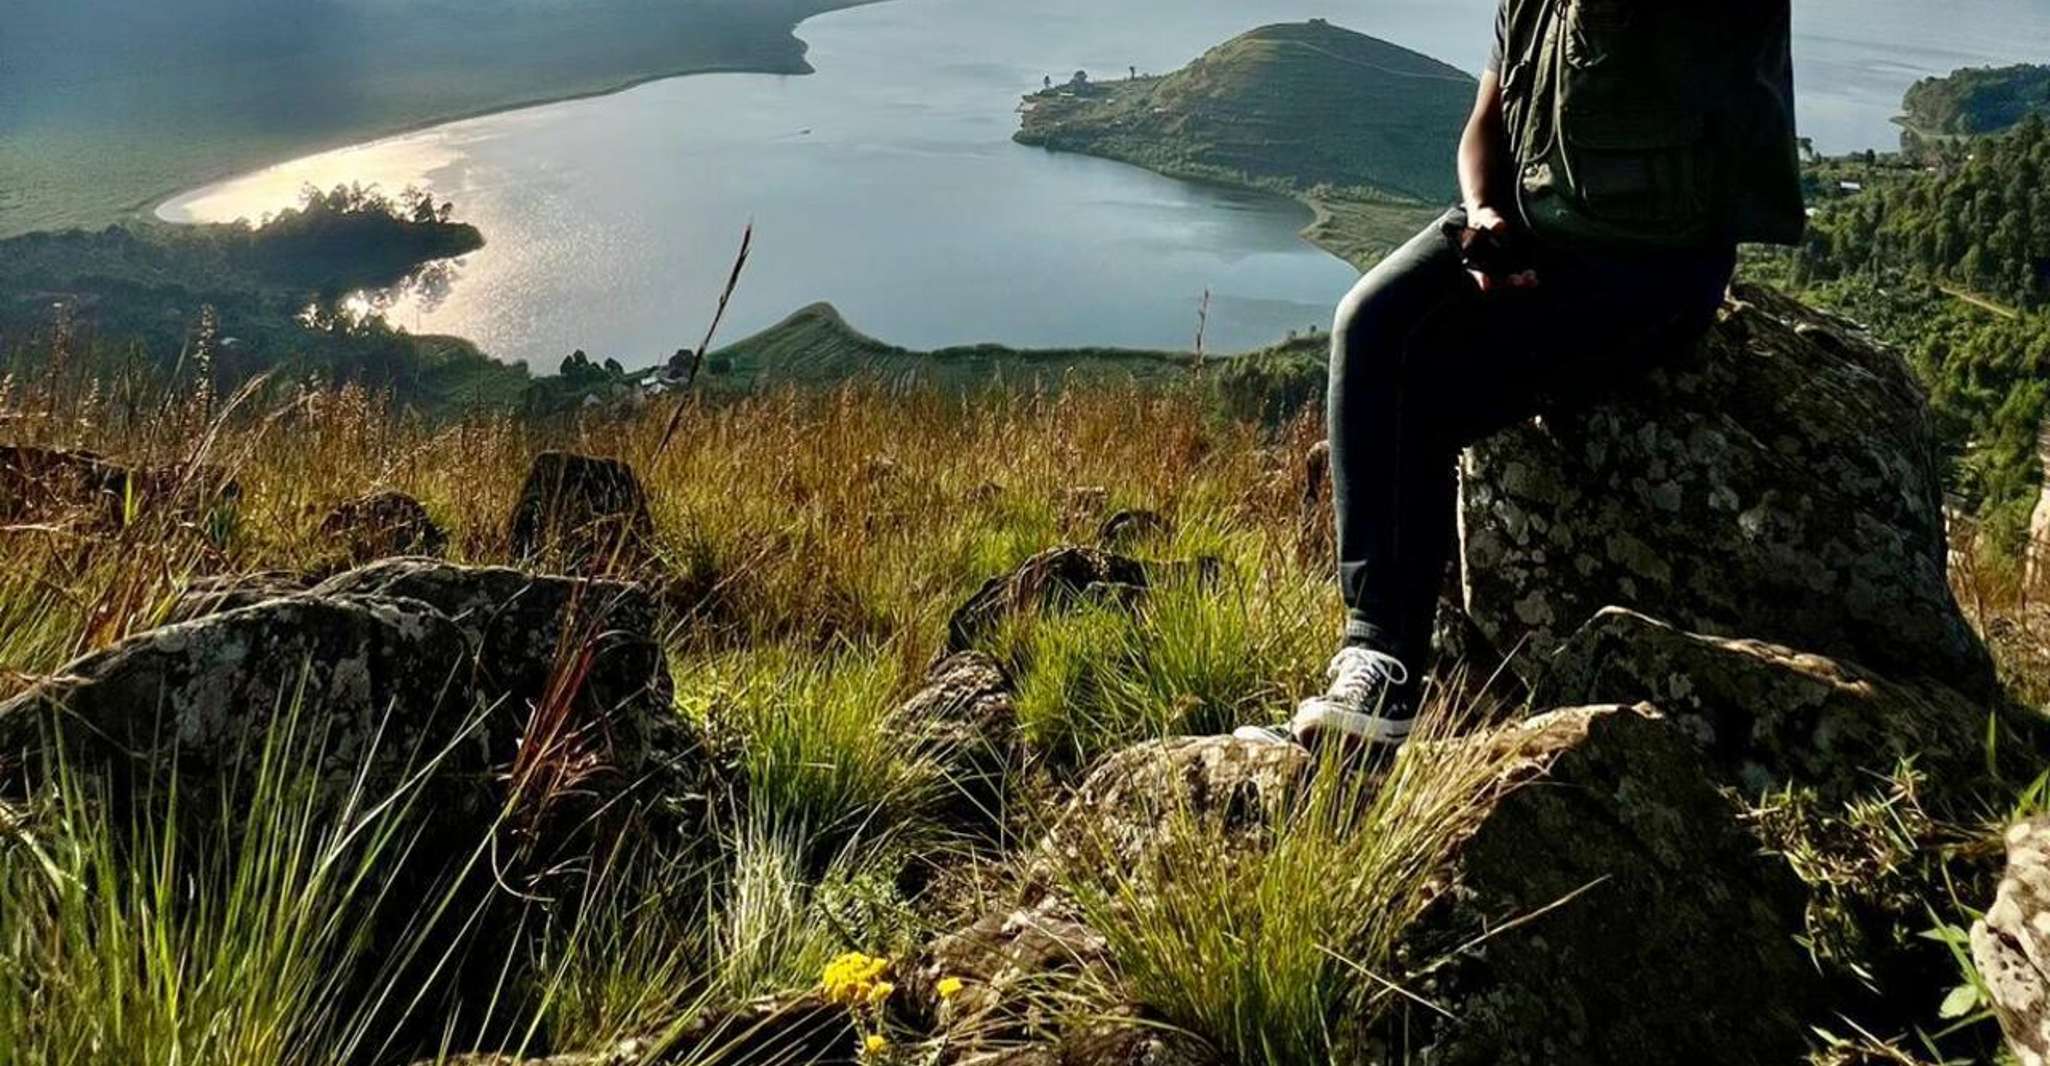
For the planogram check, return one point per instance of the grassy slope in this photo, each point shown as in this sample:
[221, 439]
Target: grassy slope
[1362, 129]
[148, 99]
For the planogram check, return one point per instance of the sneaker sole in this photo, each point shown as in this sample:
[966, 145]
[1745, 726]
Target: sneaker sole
[1312, 726]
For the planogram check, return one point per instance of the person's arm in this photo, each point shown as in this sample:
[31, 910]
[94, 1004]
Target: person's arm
[1483, 165]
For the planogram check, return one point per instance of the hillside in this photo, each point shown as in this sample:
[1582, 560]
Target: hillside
[1308, 108]
[1976, 100]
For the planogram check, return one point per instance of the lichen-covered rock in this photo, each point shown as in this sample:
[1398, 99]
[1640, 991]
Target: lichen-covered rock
[545, 688]
[1652, 929]
[382, 524]
[1781, 484]
[382, 684]
[571, 668]
[583, 512]
[215, 594]
[1006, 961]
[1769, 716]
[965, 718]
[2011, 944]
[1128, 802]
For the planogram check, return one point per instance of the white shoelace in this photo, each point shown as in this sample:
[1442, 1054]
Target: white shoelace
[1360, 676]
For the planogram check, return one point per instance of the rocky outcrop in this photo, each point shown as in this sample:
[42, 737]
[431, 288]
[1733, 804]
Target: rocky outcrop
[382, 524]
[1781, 484]
[1651, 929]
[1051, 579]
[1126, 805]
[380, 682]
[1005, 961]
[582, 513]
[219, 593]
[1602, 906]
[1059, 578]
[526, 686]
[2011, 944]
[965, 719]
[1769, 716]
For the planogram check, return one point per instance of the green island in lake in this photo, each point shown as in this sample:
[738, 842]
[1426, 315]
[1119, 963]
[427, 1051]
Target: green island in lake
[1360, 129]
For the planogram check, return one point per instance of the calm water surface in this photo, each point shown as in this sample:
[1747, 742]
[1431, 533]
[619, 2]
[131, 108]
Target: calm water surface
[887, 182]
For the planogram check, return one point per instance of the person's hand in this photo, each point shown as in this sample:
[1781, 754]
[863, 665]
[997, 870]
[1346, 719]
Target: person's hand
[1490, 220]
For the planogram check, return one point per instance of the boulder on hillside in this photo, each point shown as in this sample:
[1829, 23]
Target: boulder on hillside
[1603, 906]
[1126, 804]
[571, 667]
[1653, 930]
[2011, 944]
[548, 687]
[380, 684]
[1769, 716]
[965, 718]
[1780, 483]
[581, 511]
[1128, 527]
[382, 524]
[220, 593]
[1004, 960]
[1059, 578]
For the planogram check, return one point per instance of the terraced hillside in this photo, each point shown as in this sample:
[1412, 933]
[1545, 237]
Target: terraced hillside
[1294, 104]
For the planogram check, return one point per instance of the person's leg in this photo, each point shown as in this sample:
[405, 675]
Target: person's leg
[1423, 364]
[1391, 467]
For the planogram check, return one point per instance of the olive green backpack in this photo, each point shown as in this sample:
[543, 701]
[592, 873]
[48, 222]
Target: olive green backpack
[1653, 123]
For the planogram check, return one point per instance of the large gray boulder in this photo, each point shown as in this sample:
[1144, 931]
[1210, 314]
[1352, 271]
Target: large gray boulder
[546, 695]
[375, 684]
[1768, 716]
[2011, 944]
[1652, 929]
[967, 721]
[1781, 484]
[1602, 904]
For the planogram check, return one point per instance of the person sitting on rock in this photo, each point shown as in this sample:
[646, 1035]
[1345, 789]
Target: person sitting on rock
[1617, 153]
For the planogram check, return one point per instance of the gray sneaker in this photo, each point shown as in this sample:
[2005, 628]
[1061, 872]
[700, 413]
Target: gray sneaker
[1362, 706]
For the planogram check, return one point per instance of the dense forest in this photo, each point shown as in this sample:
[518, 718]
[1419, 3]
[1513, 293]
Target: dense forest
[300, 291]
[1948, 257]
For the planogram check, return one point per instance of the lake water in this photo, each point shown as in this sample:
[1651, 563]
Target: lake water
[888, 185]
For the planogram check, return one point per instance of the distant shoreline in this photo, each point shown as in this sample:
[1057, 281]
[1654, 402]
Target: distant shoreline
[145, 209]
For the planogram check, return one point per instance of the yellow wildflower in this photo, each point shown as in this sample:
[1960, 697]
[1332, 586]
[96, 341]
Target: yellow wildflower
[851, 979]
[879, 993]
[948, 988]
[876, 1043]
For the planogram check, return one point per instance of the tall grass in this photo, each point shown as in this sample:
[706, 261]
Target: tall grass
[132, 935]
[1285, 951]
